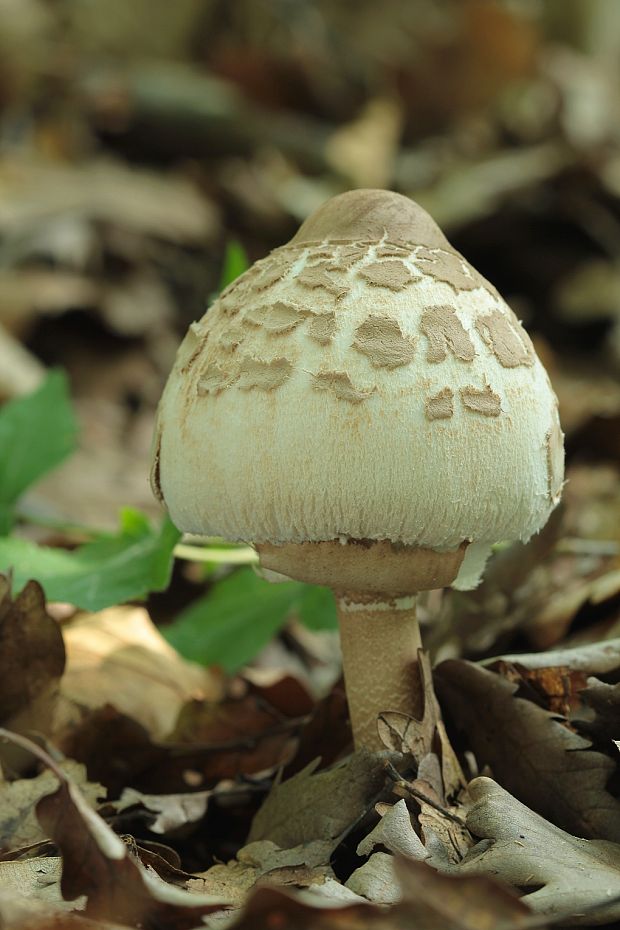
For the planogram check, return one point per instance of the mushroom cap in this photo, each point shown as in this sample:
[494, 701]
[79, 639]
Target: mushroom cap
[361, 382]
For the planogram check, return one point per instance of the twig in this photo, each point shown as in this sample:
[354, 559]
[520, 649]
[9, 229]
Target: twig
[420, 796]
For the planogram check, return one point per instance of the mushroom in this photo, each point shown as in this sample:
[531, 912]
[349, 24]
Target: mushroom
[365, 409]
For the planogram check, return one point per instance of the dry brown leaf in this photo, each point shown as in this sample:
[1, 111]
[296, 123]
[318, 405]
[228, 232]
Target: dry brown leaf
[118, 751]
[264, 862]
[394, 832]
[429, 900]
[554, 687]
[326, 734]
[421, 738]
[282, 690]
[604, 701]
[376, 880]
[107, 192]
[571, 879]
[408, 735]
[97, 864]
[18, 823]
[117, 657]
[170, 810]
[532, 753]
[230, 882]
[243, 735]
[28, 690]
[550, 624]
[589, 659]
[26, 629]
[322, 806]
[35, 879]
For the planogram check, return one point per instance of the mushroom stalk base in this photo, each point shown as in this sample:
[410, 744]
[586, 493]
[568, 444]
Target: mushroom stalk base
[380, 642]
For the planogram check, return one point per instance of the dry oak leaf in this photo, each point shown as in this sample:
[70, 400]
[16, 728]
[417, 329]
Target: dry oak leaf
[106, 192]
[119, 752]
[530, 751]
[18, 823]
[572, 879]
[394, 832]
[429, 901]
[554, 687]
[97, 864]
[36, 879]
[604, 701]
[264, 862]
[322, 806]
[588, 659]
[27, 630]
[117, 657]
[376, 880]
[551, 624]
[170, 811]
[419, 737]
[44, 908]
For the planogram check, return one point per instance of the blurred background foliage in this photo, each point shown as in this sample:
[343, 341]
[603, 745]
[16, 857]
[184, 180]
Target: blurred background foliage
[139, 139]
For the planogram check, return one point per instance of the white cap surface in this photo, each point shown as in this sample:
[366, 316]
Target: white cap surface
[361, 382]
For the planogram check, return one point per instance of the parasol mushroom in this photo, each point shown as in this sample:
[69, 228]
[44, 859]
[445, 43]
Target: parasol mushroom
[365, 409]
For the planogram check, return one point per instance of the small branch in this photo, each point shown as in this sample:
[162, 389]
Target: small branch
[400, 782]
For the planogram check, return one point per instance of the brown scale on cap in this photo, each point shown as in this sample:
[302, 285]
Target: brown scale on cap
[451, 268]
[380, 338]
[481, 400]
[270, 273]
[322, 328]
[441, 405]
[340, 385]
[232, 337]
[388, 273]
[444, 332]
[324, 276]
[508, 345]
[257, 373]
[213, 380]
[278, 317]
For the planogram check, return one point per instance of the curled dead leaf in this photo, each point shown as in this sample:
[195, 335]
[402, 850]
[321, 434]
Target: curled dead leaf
[531, 751]
[571, 879]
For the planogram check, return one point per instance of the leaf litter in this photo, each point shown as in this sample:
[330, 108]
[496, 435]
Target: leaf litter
[513, 145]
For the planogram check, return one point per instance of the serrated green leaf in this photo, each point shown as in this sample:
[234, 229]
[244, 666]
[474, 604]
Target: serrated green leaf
[234, 621]
[108, 571]
[37, 433]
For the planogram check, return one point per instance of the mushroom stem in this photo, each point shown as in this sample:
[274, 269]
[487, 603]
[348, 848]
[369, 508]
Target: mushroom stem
[380, 641]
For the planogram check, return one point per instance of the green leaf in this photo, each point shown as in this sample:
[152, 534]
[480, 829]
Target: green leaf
[317, 608]
[235, 263]
[240, 614]
[108, 571]
[234, 621]
[37, 433]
